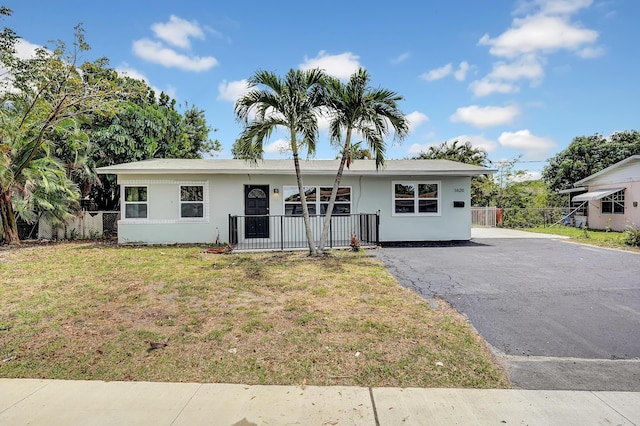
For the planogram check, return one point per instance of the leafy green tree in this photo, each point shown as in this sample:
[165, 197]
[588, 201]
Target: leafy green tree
[587, 155]
[483, 188]
[60, 120]
[371, 112]
[43, 99]
[293, 103]
[357, 152]
[456, 151]
[139, 127]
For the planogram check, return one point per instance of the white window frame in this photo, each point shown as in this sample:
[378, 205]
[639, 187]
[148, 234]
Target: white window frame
[617, 198]
[125, 202]
[318, 202]
[416, 199]
[181, 202]
[150, 184]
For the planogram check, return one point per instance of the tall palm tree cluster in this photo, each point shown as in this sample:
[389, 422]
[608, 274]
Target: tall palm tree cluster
[296, 102]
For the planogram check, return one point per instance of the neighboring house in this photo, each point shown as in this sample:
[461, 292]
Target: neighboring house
[257, 205]
[612, 196]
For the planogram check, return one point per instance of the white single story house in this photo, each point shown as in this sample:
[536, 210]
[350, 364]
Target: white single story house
[611, 197]
[257, 205]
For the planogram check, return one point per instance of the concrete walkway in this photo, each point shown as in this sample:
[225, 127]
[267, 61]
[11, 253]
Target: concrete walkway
[480, 233]
[63, 402]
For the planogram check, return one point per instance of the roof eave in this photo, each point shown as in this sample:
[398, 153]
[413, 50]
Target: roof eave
[585, 181]
[382, 172]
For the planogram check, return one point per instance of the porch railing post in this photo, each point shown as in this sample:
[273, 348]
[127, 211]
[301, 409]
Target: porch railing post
[378, 228]
[281, 233]
[331, 232]
[233, 238]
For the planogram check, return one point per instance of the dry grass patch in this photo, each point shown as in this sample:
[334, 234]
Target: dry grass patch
[88, 311]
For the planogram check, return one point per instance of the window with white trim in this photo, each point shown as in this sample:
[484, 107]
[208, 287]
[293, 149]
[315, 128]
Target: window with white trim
[317, 200]
[135, 202]
[416, 198]
[191, 201]
[613, 204]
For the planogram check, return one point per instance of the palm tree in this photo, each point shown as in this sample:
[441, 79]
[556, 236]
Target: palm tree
[292, 102]
[356, 107]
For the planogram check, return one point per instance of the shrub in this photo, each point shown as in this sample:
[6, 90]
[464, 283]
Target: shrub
[632, 236]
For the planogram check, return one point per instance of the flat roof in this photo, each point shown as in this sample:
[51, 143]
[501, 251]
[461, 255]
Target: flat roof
[308, 167]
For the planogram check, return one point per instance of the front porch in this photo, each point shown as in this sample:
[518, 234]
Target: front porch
[285, 232]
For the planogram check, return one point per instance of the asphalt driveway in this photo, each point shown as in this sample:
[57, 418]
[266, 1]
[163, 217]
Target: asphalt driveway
[538, 300]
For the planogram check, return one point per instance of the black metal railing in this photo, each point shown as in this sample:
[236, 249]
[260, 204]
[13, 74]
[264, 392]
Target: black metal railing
[281, 232]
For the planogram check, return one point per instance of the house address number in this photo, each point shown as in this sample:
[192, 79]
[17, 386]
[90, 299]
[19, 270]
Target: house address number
[459, 189]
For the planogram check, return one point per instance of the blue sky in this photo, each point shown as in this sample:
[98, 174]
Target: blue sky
[518, 78]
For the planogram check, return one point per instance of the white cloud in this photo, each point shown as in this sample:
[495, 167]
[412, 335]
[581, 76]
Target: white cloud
[438, 73]
[277, 147]
[541, 27]
[461, 73]
[415, 119]
[527, 175]
[536, 33]
[125, 71]
[232, 91]
[486, 87]
[485, 116]
[324, 123]
[526, 66]
[590, 52]
[418, 148]
[478, 141]
[534, 146]
[401, 58]
[26, 50]
[501, 78]
[156, 52]
[178, 31]
[341, 66]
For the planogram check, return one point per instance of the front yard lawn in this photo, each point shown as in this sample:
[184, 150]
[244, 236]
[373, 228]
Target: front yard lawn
[609, 239]
[89, 311]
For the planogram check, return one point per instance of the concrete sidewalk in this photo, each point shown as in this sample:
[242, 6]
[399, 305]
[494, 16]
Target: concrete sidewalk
[63, 402]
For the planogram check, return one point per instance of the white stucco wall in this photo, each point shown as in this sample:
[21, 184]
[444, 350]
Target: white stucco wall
[225, 196]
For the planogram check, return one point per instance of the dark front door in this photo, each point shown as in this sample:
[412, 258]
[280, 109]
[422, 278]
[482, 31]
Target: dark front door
[256, 204]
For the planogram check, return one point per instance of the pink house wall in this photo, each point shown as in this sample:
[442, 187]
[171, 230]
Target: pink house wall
[616, 222]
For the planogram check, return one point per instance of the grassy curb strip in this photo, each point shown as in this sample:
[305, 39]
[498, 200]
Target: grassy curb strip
[90, 311]
[610, 239]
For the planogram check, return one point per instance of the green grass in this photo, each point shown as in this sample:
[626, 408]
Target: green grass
[89, 311]
[610, 239]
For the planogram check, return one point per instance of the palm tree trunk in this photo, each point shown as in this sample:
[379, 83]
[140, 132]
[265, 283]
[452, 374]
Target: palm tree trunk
[8, 218]
[334, 193]
[303, 198]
